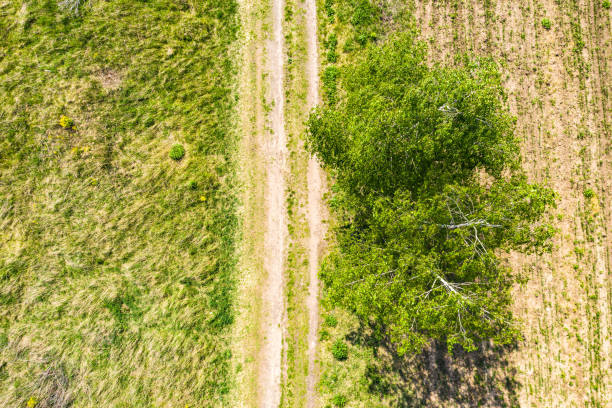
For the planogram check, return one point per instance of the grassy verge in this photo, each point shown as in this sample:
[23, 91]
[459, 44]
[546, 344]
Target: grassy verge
[296, 285]
[116, 262]
[345, 28]
[253, 108]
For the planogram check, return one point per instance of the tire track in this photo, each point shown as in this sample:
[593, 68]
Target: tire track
[275, 237]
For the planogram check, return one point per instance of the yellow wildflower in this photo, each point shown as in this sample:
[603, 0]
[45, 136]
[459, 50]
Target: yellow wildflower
[66, 122]
[202, 198]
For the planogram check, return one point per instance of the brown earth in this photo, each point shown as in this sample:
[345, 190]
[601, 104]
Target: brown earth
[557, 83]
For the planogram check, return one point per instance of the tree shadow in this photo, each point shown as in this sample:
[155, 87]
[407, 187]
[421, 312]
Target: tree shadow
[435, 378]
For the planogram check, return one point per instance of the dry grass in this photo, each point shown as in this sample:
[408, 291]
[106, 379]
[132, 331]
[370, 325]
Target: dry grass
[116, 272]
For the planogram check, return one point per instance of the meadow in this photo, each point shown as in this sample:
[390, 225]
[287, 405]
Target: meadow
[117, 203]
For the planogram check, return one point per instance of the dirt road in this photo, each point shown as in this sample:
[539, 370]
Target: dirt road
[276, 356]
[276, 221]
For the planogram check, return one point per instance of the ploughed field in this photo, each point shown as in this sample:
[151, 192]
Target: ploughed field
[554, 58]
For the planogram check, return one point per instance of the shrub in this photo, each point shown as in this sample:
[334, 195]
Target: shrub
[331, 321]
[364, 14]
[546, 23]
[177, 152]
[329, 8]
[331, 44]
[332, 56]
[340, 350]
[339, 400]
[323, 335]
[606, 4]
[330, 78]
[589, 193]
[193, 185]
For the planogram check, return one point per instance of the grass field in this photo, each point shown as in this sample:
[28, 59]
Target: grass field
[555, 59]
[116, 261]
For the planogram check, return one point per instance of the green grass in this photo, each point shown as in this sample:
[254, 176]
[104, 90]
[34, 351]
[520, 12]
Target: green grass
[116, 262]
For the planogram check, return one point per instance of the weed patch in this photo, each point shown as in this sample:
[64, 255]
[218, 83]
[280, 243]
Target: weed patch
[177, 152]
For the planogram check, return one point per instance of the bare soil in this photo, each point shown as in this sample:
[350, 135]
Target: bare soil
[557, 83]
[276, 222]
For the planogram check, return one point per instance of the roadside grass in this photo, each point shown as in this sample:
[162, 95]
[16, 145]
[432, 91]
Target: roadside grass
[295, 373]
[116, 262]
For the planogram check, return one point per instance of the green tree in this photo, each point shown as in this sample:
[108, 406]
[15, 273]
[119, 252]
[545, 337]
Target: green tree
[428, 192]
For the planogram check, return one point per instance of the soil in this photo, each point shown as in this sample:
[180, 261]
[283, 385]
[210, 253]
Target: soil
[275, 235]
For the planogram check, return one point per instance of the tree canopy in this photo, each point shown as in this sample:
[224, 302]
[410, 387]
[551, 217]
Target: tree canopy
[428, 193]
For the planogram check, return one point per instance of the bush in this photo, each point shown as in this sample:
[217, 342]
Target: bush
[177, 152]
[546, 23]
[340, 350]
[193, 185]
[329, 8]
[323, 335]
[332, 56]
[364, 14]
[339, 400]
[606, 4]
[331, 321]
[589, 193]
[330, 79]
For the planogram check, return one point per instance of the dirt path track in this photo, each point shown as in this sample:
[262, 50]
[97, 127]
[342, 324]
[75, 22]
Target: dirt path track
[276, 357]
[276, 222]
